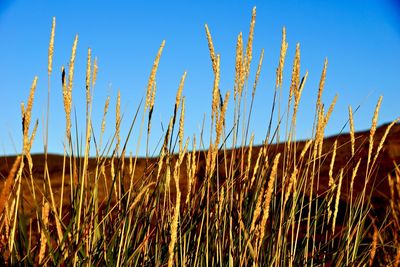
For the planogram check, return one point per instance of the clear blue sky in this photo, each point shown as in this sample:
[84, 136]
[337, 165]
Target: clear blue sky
[361, 40]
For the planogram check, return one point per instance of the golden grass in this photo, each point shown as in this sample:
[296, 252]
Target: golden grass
[228, 203]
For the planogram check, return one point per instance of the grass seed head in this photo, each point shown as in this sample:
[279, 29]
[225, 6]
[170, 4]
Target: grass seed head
[279, 71]
[103, 121]
[305, 148]
[72, 64]
[43, 238]
[211, 48]
[258, 72]
[221, 120]
[239, 72]
[215, 93]
[268, 196]
[373, 128]
[383, 139]
[294, 86]
[153, 96]
[88, 66]
[330, 110]
[337, 201]
[153, 72]
[180, 89]
[292, 184]
[51, 48]
[249, 47]
[27, 114]
[95, 70]
[354, 174]
[321, 84]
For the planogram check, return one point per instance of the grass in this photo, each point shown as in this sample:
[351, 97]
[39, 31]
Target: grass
[232, 204]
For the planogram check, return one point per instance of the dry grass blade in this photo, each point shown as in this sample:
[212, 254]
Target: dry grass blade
[103, 120]
[352, 138]
[181, 126]
[118, 122]
[139, 195]
[256, 166]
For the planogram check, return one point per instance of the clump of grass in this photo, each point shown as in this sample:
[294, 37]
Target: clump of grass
[232, 203]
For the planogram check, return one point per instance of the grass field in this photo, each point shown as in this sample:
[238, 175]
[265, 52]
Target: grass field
[324, 201]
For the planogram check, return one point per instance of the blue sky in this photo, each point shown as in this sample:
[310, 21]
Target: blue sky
[361, 40]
